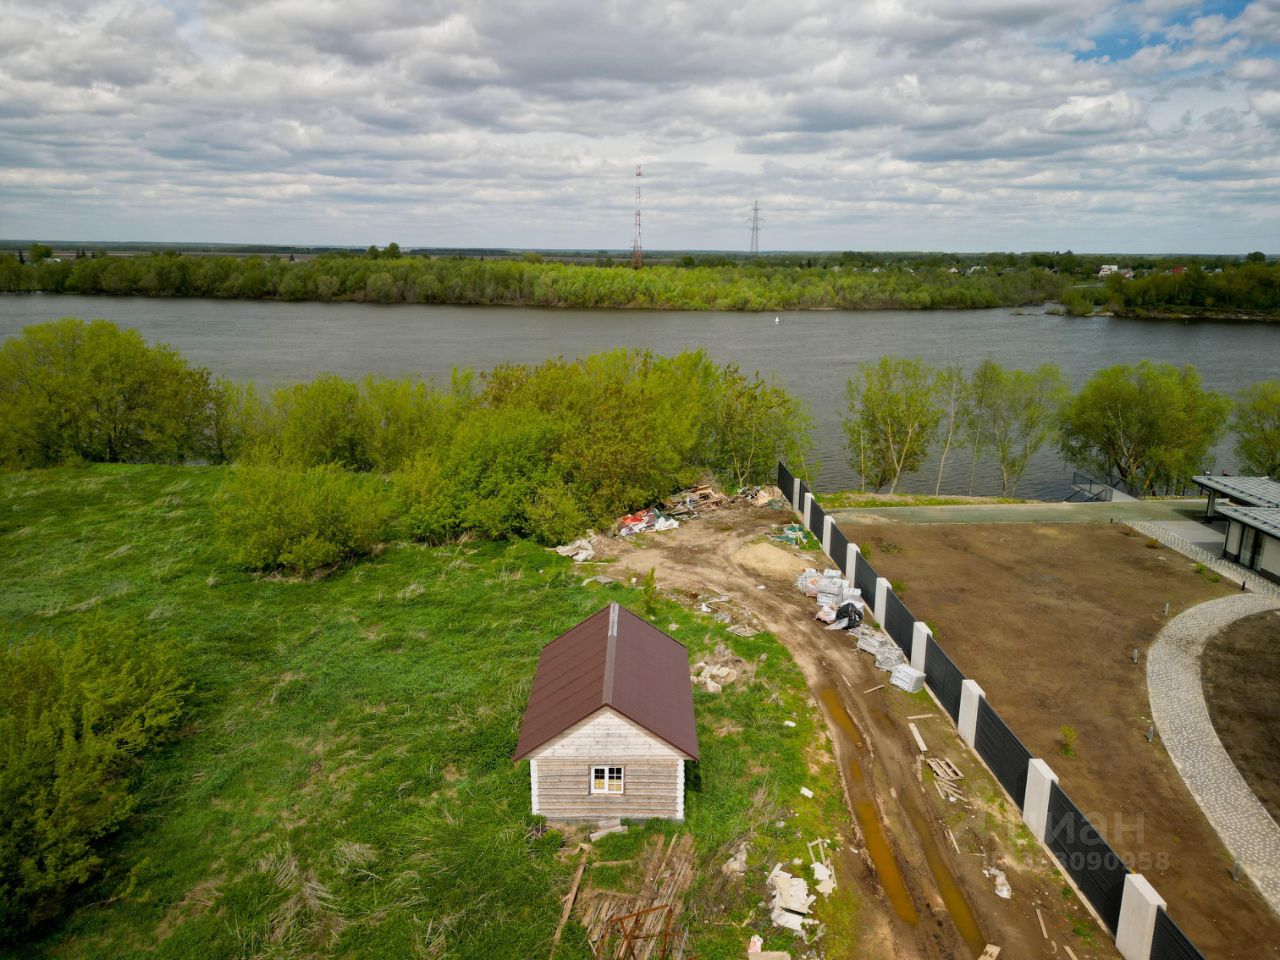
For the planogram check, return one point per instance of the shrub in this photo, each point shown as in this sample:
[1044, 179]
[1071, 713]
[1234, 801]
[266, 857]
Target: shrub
[300, 520]
[1067, 738]
[77, 714]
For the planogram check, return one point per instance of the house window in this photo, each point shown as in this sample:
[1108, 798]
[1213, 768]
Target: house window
[606, 779]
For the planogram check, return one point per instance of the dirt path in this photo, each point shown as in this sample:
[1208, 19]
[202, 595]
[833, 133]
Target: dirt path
[936, 902]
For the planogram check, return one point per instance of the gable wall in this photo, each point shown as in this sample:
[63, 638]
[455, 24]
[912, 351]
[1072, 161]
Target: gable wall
[606, 735]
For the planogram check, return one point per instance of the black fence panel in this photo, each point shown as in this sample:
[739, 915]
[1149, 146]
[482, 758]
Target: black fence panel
[1097, 869]
[898, 622]
[944, 678]
[786, 481]
[864, 578]
[1003, 752]
[817, 517]
[1170, 943]
[839, 547]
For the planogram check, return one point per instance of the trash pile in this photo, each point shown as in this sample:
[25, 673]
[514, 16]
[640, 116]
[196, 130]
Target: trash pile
[580, 550]
[790, 899]
[723, 610]
[792, 534]
[839, 603]
[766, 496]
[946, 779]
[689, 503]
[907, 678]
[645, 521]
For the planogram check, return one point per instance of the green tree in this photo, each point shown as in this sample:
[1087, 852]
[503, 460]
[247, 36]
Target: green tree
[1257, 256]
[976, 408]
[40, 251]
[1256, 424]
[755, 425]
[1151, 426]
[951, 386]
[1025, 411]
[892, 416]
[78, 713]
[73, 390]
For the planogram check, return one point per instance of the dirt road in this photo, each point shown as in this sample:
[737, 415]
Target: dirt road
[921, 860]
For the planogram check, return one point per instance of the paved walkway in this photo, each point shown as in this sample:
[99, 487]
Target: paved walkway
[1182, 717]
[1035, 512]
[1215, 562]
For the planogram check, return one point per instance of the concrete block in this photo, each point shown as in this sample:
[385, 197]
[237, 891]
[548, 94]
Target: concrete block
[882, 599]
[970, 695]
[795, 493]
[919, 643]
[1035, 803]
[1138, 906]
[827, 524]
[807, 512]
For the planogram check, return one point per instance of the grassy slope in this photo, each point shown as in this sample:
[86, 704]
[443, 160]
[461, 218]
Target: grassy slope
[344, 786]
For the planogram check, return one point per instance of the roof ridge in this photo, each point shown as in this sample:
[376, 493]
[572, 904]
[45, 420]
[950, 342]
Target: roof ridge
[610, 654]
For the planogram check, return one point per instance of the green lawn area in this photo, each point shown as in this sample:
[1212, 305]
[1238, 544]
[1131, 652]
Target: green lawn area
[343, 785]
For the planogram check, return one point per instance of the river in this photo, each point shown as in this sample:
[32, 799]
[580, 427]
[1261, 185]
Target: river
[810, 353]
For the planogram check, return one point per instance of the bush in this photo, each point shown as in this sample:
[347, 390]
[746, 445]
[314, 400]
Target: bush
[272, 518]
[72, 390]
[77, 715]
[1067, 738]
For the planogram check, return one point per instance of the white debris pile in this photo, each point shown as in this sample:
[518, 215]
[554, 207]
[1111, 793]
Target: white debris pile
[791, 900]
[824, 873]
[879, 644]
[1003, 890]
[580, 550]
[838, 600]
[721, 668]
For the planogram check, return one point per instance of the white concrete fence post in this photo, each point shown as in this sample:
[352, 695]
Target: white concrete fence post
[1035, 803]
[795, 493]
[1138, 906]
[882, 599]
[970, 696]
[920, 635]
[807, 512]
[851, 563]
[827, 524]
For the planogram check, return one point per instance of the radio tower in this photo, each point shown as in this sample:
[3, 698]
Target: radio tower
[755, 229]
[637, 251]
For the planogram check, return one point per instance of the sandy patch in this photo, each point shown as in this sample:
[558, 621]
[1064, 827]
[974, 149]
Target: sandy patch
[769, 561]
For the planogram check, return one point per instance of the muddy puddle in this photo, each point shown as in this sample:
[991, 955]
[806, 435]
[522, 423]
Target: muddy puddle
[880, 851]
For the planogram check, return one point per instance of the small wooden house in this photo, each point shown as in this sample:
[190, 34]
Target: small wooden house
[610, 722]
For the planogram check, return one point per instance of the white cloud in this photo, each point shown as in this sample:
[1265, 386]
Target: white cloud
[913, 123]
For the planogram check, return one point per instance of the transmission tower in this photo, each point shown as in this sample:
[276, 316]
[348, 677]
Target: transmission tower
[755, 228]
[637, 251]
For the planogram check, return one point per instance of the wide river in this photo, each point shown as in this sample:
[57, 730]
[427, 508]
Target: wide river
[811, 353]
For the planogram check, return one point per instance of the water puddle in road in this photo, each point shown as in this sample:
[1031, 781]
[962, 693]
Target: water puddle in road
[881, 853]
[864, 808]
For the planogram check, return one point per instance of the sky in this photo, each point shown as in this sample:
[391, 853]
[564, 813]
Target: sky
[1099, 126]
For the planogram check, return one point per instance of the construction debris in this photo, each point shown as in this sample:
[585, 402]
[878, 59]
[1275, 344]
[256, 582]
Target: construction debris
[944, 769]
[689, 503]
[992, 952]
[756, 950]
[792, 901]
[570, 898]
[721, 668]
[907, 678]
[806, 792]
[1004, 891]
[580, 550]
[641, 925]
[736, 865]
[607, 827]
[792, 533]
[915, 732]
[645, 521]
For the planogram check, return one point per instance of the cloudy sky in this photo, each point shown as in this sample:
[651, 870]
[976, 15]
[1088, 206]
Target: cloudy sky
[1150, 125]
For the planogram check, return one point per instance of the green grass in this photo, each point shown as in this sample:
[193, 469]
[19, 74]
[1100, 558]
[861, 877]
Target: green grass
[343, 786]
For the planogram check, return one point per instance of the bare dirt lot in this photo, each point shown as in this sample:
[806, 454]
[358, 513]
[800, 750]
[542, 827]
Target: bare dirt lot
[1241, 673]
[923, 865]
[1045, 617]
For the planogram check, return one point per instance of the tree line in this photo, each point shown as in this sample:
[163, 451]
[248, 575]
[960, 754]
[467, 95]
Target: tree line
[323, 468]
[386, 276]
[1148, 427]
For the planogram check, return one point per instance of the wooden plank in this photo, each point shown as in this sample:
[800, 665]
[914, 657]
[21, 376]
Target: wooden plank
[568, 900]
[919, 739]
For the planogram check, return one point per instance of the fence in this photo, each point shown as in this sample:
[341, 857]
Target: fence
[1100, 875]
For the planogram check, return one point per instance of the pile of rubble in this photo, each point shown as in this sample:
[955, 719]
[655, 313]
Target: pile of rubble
[790, 901]
[839, 602]
[721, 668]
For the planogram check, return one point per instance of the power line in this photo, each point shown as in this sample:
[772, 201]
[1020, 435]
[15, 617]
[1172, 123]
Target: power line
[637, 250]
[755, 228]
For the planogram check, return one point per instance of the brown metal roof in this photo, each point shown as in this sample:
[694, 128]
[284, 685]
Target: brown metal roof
[612, 659]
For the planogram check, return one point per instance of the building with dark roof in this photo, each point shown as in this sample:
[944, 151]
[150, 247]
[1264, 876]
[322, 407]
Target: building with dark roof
[610, 723]
[1253, 538]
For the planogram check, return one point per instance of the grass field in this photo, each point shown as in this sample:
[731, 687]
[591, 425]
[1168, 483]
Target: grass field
[343, 785]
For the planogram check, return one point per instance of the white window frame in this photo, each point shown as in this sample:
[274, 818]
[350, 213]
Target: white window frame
[607, 768]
